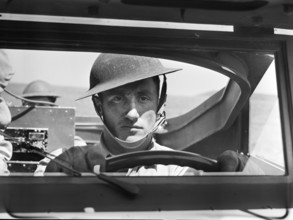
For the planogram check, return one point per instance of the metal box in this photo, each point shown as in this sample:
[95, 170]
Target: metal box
[59, 122]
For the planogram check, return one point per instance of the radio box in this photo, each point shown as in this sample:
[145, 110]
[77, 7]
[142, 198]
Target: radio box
[53, 125]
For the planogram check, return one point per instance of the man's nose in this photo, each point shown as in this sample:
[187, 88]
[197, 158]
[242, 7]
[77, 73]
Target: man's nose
[132, 114]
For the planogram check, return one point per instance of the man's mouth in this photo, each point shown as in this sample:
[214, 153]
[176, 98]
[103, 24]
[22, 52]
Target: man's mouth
[132, 127]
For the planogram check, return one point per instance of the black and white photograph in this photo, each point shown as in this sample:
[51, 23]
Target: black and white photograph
[143, 109]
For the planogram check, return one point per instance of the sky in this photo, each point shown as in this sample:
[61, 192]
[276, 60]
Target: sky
[73, 68]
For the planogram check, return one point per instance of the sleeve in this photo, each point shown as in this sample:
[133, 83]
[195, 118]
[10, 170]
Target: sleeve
[95, 156]
[44, 162]
[52, 166]
[72, 157]
[81, 159]
[5, 155]
[5, 149]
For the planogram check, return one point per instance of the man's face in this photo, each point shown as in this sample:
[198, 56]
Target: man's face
[129, 111]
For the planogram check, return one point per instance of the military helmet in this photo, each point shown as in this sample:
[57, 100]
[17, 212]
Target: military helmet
[38, 88]
[113, 70]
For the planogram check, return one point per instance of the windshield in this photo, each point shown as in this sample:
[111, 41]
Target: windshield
[191, 92]
[265, 134]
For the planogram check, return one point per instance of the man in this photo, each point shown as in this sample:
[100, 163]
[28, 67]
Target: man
[41, 93]
[126, 94]
[6, 73]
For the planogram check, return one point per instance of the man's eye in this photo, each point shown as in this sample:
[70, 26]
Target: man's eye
[144, 98]
[117, 99]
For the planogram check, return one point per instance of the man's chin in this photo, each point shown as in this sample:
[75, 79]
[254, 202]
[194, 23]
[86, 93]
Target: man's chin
[134, 138]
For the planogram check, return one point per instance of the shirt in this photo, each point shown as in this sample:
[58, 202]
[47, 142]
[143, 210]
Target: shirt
[5, 155]
[158, 169]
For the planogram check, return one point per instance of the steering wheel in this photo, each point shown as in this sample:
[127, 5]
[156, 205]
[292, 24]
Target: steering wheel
[148, 158]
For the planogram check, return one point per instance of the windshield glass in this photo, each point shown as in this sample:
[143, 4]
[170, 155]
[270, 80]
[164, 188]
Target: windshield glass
[265, 133]
[192, 93]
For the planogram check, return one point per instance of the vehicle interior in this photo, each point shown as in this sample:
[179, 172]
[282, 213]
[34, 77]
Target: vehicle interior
[233, 92]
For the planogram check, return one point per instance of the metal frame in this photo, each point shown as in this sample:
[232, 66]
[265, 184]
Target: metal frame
[73, 194]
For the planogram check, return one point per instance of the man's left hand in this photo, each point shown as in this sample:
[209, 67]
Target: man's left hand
[231, 161]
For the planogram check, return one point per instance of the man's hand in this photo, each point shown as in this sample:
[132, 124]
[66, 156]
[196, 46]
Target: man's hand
[95, 160]
[79, 159]
[231, 161]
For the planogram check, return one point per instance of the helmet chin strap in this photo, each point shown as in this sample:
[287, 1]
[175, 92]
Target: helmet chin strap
[119, 146]
[116, 146]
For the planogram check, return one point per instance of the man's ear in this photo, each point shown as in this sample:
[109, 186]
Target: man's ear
[98, 105]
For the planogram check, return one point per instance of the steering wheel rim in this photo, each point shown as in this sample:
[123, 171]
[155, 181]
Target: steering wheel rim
[148, 158]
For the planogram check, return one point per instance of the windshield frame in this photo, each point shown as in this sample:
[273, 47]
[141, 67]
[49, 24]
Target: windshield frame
[53, 193]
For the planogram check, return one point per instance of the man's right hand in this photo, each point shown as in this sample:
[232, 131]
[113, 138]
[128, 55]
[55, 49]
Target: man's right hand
[95, 160]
